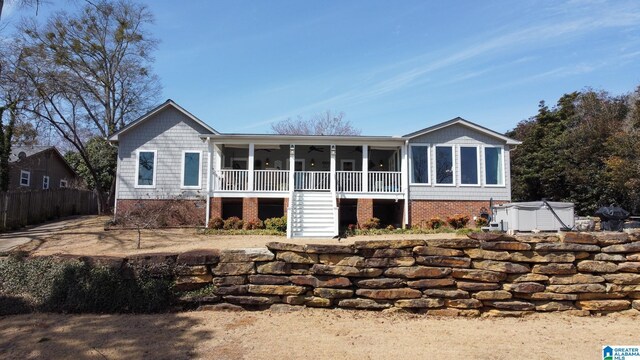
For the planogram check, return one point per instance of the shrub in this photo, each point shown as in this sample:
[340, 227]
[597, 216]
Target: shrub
[390, 227]
[48, 284]
[480, 222]
[216, 223]
[458, 221]
[373, 223]
[253, 225]
[233, 223]
[435, 223]
[278, 224]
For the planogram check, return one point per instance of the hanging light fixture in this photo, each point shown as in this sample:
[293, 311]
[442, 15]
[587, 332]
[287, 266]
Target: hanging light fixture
[313, 162]
[266, 162]
[381, 164]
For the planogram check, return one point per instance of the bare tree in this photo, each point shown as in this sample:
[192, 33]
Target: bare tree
[88, 73]
[326, 123]
[143, 214]
[21, 3]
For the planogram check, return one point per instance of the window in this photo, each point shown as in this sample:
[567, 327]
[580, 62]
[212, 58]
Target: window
[469, 165]
[63, 183]
[45, 182]
[146, 169]
[191, 165]
[494, 173]
[420, 164]
[25, 178]
[444, 165]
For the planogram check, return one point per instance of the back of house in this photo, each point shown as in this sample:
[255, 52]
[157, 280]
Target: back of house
[320, 183]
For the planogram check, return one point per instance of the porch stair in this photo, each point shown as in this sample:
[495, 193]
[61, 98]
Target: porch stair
[312, 214]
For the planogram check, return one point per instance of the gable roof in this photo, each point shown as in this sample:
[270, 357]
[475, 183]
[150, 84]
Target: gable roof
[157, 109]
[16, 154]
[27, 151]
[463, 122]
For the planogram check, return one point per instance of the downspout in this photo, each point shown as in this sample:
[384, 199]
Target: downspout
[115, 195]
[405, 180]
[209, 159]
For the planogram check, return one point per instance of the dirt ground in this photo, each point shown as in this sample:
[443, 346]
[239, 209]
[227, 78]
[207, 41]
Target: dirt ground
[86, 236]
[309, 333]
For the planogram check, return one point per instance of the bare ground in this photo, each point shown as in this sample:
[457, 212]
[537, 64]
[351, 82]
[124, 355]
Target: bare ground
[309, 333]
[86, 236]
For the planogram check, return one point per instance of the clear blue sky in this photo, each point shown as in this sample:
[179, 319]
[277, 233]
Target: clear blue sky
[392, 66]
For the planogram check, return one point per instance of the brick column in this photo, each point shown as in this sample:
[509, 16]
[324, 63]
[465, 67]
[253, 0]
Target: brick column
[286, 205]
[215, 208]
[250, 209]
[365, 210]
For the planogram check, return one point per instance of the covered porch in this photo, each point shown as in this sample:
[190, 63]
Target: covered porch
[348, 170]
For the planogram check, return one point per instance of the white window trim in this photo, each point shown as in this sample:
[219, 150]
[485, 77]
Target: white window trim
[429, 161]
[155, 169]
[484, 168]
[47, 182]
[479, 175]
[64, 181]
[182, 185]
[453, 165]
[22, 172]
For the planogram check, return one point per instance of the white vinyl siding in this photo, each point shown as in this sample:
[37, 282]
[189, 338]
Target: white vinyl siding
[460, 136]
[170, 133]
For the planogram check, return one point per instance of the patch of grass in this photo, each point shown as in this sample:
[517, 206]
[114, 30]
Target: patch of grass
[244, 232]
[441, 230]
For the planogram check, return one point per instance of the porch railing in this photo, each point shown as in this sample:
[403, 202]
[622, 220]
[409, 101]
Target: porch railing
[349, 181]
[271, 180]
[385, 181]
[231, 180]
[312, 180]
[278, 180]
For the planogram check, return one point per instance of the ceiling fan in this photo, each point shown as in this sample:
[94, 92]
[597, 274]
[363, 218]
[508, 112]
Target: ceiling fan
[313, 148]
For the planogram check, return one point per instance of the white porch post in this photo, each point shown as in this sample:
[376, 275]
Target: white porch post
[365, 168]
[209, 167]
[292, 167]
[250, 167]
[217, 165]
[332, 169]
[405, 180]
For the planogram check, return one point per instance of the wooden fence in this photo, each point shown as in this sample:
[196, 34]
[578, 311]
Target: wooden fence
[21, 208]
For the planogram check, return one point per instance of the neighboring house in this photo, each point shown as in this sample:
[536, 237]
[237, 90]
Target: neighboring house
[39, 168]
[320, 182]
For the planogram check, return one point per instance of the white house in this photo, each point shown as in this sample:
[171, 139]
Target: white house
[320, 182]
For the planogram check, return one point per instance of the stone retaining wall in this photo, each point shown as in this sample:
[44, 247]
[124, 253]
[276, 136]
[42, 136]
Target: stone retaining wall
[578, 273]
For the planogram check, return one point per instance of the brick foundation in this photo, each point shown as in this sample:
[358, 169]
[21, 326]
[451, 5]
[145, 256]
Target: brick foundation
[250, 209]
[364, 210]
[215, 206]
[420, 211]
[165, 213]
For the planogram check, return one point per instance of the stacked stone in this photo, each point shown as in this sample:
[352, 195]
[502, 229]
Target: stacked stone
[495, 275]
